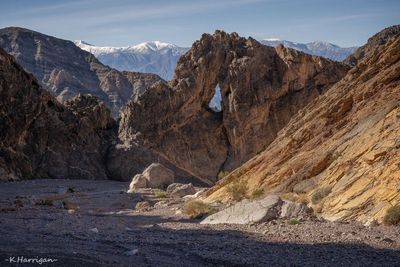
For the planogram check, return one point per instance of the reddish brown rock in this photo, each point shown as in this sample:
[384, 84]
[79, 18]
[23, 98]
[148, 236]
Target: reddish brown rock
[261, 87]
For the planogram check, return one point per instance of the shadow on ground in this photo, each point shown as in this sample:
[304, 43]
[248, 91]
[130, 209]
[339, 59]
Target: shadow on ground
[158, 246]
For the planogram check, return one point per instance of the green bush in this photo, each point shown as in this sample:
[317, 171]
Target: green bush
[237, 191]
[257, 193]
[320, 194]
[392, 216]
[45, 202]
[293, 222]
[222, 174]
[160, 194]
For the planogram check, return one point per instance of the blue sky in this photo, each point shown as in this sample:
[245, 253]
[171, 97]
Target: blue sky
[126, 22]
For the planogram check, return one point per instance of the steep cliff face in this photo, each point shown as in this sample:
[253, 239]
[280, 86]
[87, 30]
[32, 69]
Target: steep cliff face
[261, 88]
[66, 71]
[39, 137]
[375, 41]
[342, 149]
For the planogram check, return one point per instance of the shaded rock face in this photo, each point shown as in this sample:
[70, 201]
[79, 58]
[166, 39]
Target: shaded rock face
[346, 141]
[375, 41]
[40, 138]
[261, 88]
[66, 71]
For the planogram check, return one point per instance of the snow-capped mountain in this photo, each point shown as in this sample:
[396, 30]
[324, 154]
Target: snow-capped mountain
[318, 48]
[152, 57]
[161, 58]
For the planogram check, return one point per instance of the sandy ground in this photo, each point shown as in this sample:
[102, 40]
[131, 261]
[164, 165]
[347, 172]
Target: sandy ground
[97, 225]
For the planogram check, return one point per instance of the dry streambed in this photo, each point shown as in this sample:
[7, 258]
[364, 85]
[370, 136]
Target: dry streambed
[95, 223]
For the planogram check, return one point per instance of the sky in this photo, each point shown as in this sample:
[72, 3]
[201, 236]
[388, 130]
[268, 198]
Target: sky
[129, 22]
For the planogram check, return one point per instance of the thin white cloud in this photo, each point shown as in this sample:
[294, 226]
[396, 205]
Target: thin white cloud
[102, 15]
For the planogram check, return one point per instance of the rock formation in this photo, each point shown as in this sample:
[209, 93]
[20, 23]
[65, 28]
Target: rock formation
[342, 150]
[261, 88]
[66, 71]
[40, 138]
[247, 211]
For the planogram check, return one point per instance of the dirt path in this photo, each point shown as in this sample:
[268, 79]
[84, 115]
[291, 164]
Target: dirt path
[105, 230]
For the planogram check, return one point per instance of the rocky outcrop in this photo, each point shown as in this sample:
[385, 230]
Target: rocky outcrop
[66, 71]
[291, 209]
[247, 211]
[181, 190]
[341, 151]
[261, 89]
[40, 138]
[375, 41]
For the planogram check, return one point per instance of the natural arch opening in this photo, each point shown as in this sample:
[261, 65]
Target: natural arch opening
[215, 103]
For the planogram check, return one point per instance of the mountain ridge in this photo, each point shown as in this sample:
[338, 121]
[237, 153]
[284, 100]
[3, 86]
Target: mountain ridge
[153, 57]
[160, 58]
[317, 48]
[66, 70]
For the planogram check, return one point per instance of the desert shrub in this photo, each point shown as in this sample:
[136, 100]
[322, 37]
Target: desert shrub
[142, 206]
[290, 196]
[320, 194]
[237, 191]
[333, 157]
[392, 216]
[222, 174]
[299, 198]
[196, 209]
[257, 193]
[45, 202]
[293, 222]
[160, 194]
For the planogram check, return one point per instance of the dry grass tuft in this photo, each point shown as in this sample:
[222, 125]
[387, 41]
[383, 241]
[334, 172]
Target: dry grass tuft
[196, 209]
[392, 216]
[320, 194]
[237, 191]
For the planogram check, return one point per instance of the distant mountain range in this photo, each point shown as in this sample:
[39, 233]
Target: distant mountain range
[161, 58]
[66, 71]
[150, 57]
[317, 48]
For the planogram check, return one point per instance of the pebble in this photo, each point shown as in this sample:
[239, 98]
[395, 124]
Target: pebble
[94, 230]
[132, 252]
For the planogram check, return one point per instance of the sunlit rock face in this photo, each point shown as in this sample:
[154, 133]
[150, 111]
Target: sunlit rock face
[342, 151]
[261, 88]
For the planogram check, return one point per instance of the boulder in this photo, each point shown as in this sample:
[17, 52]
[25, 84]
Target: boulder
[247, 211]
[181, 190]
[138, 181]
[294, 210]
[158, 176]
